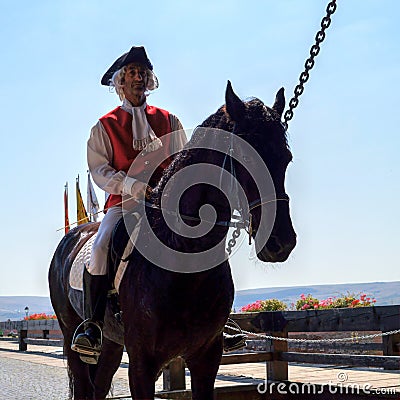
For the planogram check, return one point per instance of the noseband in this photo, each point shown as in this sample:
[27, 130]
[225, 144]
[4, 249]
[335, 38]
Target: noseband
[258, 203]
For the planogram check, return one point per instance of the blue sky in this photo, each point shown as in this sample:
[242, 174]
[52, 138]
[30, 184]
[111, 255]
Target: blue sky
[344, 179]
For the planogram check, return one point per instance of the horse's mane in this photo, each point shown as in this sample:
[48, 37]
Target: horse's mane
[256, 111]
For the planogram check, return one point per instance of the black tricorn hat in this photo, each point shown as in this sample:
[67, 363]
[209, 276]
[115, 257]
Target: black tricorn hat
[135, 54]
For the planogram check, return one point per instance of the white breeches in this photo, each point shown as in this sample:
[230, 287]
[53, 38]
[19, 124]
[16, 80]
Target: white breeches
[98, 257]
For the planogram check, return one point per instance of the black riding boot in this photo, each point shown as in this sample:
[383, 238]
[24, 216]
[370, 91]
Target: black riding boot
[234, 342]
[88, 343]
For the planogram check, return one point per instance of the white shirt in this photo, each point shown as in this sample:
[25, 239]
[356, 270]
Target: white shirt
[100, 155]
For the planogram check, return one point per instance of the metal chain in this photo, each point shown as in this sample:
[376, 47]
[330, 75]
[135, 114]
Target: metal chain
[232, 242]
[294, 340]
[309, 64]
[348, 339]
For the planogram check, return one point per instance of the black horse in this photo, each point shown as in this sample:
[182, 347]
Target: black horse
[175, 306]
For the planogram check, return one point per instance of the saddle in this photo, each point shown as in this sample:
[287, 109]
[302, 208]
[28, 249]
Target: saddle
[121, 246]
[120, 250]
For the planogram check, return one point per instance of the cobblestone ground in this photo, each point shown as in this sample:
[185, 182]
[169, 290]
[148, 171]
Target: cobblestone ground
[40, 374]
[24, 380]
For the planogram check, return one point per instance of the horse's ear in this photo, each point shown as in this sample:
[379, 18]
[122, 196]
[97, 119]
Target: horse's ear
[279, 104]
[234, 106]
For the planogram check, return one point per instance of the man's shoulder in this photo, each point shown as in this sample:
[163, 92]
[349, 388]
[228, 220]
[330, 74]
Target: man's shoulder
[156, 110]
[113, 114]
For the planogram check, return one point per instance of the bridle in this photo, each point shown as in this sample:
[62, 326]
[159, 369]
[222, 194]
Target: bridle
[247, 224]
[258, 203]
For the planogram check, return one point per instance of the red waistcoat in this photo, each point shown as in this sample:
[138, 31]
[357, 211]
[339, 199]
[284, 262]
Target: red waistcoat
[118, 125]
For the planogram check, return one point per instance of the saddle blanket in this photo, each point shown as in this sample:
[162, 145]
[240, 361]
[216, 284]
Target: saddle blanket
[83, 258]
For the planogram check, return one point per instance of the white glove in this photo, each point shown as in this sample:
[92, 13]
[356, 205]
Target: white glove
[138, 191]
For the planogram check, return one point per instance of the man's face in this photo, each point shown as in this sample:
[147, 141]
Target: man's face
[135, 81]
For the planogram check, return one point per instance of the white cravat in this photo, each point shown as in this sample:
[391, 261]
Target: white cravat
[143, 135]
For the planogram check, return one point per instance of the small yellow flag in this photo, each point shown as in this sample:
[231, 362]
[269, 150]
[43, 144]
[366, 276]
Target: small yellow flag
[81, 213]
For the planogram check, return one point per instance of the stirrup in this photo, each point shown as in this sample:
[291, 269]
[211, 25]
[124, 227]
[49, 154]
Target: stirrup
[240, 344]
[88, 353]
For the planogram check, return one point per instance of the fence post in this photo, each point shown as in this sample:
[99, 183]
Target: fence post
[174, 375]
[278, 370]
[22, 334]
[390, 346]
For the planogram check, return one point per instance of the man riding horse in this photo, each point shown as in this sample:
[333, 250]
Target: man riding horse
[115, 141]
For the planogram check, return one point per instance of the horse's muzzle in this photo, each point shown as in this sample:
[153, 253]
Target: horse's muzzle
[276, 251]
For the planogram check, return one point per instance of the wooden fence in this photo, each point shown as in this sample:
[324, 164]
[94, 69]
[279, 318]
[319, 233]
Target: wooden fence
[283, 324]
[364, 319]
[42, 332]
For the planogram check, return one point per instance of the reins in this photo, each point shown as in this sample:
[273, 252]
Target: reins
[246, 224]
[241, 223]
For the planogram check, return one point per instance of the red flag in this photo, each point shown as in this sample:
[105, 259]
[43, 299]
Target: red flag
[66, 218]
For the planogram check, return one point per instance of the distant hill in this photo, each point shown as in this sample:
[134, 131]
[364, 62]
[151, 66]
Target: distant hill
[386, 293]
[13, 307]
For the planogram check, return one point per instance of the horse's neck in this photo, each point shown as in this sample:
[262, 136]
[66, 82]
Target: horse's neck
[186, 191]
[184, 231]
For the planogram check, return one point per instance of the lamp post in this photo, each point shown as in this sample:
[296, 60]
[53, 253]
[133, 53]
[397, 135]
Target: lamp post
[26, 311]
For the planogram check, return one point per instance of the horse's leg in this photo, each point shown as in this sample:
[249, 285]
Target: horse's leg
[107, 366]
[81, 385]
[203, 366]
[142, 375]
[79, 375]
